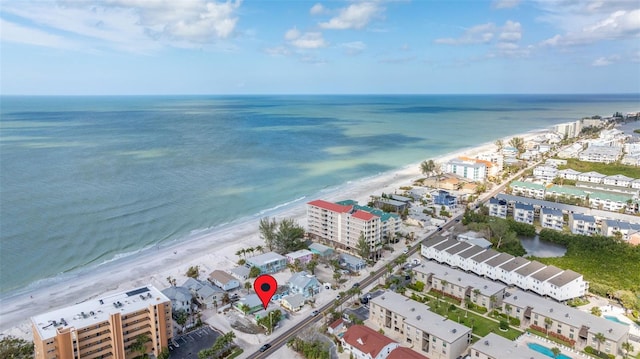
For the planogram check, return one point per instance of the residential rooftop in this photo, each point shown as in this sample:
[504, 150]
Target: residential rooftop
[499, 260]
[484, 256]
[495, 346]
[548, 272]
[266, 258]
[460, 278]
[516, 263]
[530, 268]
[97, 310]
[565, 277]
[471, 252]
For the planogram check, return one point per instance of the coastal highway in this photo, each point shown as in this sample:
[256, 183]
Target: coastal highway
[292, 332]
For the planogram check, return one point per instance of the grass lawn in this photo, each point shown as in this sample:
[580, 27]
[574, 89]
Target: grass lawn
[481, 325]
[604, 168]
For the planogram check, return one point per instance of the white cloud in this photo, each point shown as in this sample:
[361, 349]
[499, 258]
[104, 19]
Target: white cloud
[317, 9]
[308, 40]
[511, 32]
[353, 48]
[132, 25]
[355, 16]
[292, 34]
[478, 34]
[15, 33]
[505, 4]
[605, 61]
[586, 22]
[278, 51]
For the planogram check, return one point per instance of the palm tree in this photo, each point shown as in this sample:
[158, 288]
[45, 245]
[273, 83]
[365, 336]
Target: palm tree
[599, 338]
[627, 347]
[555, 352]
[499, 144]
[336, 276]
[492, 301]
[548, 322]
[249, 250]
[259, 248]
[596, 311]
[240, 252]
[507, 309]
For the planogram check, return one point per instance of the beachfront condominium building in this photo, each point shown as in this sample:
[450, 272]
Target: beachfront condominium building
[413, 324]
[475, 170]
[343, 223]
[569, 129]
[105, 327]
[563, 321]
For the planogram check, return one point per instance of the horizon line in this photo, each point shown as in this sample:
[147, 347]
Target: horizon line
[325, 94]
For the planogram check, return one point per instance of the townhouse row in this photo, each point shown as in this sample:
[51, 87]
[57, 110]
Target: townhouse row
[550, 281]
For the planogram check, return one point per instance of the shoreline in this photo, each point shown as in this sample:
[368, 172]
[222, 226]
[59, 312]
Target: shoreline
[210, 249]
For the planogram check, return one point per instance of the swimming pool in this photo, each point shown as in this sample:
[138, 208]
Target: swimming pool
[614, 319]
[546, 351]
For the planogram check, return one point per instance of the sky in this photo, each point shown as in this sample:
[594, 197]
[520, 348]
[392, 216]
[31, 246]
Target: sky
[135, 47]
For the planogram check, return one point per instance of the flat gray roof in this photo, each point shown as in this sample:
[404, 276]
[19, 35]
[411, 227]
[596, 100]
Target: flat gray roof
[517, 262]
[499, 260]
[568, 315]
[471, 252]
[266, 258]
[447, 244]
[418, 315]
[495, 346]
[547, 273]
[483, 256]
[564, 278]
[433, 241]
[461, 246]
[532, 267]
[460, 278]
[97, 310]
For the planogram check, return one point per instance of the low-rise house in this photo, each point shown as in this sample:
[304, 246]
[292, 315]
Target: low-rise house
[249, 304]
[224, 280]
[351, 262]
[491, 266]
[562, 321]
[304, 284]
[303, 256]
[593, 177]
[551, 218]
[394, 206]
[270, 262]
[522, 276]
[474, 238]
[181, 298]
[240, 273]
[569, 174]
[444, 198]
[507, 272]
[459, 284]
[463, 257]
[207, 295]
[336, 327]
[528, 189]
[429, 333]
[523, 213]
[582, 224]
[545, 173]
[494, 346]
[618, 180]
[321, 250]
[401, 198]
[498, 208]
[555, 162]
[366, 343]
[293, 303]
[539, 282]
[476, 263]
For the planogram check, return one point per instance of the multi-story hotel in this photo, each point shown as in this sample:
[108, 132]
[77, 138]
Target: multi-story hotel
[475, 170]
[419, 328]
[106, 327]
[344, 222]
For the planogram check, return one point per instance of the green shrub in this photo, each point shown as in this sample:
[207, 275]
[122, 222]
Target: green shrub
[504, 325]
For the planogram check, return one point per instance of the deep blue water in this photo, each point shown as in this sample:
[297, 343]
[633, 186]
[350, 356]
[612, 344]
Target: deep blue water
[546, 351]
[86, 179]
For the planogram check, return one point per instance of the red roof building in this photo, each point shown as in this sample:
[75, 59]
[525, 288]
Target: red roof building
[365, 342]
[330, 206]
[405, 353]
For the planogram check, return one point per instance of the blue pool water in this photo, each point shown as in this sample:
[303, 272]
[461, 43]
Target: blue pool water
[614, 319]
[546, 351]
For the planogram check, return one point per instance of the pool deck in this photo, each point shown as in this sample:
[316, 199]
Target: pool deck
[531, 338]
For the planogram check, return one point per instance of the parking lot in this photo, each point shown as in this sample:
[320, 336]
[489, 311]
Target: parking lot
[188, 345]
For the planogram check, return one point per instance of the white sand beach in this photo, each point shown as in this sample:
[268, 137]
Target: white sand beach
[211, 250]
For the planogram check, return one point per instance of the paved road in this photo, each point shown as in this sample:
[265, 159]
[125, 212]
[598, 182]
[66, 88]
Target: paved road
[291, 333]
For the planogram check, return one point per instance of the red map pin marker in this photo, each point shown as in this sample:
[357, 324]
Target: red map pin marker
[265, 287]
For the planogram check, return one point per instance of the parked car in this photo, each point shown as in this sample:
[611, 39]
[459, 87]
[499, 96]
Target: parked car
[265, 347]
[314, 313]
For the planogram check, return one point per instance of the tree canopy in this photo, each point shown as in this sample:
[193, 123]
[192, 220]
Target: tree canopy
[364, 250]
[16, 348]
[282, 237]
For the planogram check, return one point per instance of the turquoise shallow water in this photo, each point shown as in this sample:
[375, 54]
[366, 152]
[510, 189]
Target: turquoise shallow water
[84, 180]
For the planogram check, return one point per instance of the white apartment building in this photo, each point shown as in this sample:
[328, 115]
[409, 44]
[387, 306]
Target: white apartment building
[569, 174]
[593, 177]
[523, 213]
[551, 218]
[618, 180]
[604, 154]
[528, 189]
[582, 224]
[493, 346]
[545, 173]
[609, 201]
[469, 168]
[497, 208]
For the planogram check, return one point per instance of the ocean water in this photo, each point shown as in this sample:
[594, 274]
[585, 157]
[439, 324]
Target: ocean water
[84, 180]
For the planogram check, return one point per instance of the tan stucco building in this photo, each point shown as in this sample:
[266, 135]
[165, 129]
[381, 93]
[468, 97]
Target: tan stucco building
[105, 327]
